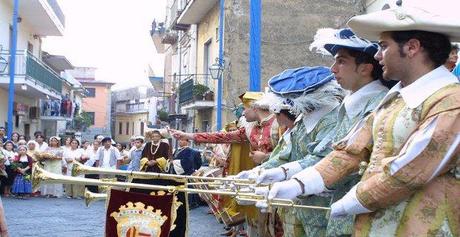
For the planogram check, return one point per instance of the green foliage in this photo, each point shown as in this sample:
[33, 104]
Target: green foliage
[162, 115]
[199, 90]
[82, 121]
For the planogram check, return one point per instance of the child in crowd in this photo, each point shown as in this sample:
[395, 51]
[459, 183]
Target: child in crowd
[15, 139]
[22, 165]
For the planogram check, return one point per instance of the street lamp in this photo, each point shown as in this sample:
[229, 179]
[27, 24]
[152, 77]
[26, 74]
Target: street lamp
[216, 73]
[216, 69]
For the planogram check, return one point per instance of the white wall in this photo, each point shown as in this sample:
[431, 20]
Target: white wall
[34, 124]
[25, 33]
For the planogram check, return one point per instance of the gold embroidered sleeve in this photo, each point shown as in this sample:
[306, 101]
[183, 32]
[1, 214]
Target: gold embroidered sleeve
[416, 164]
[348, 153]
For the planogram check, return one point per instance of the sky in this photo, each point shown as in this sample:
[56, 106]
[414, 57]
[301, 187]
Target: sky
[113, 36]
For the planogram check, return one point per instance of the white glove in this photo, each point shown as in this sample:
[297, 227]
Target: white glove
[281, 173]
[249, 174]
[289, 189]
[262, 191]
[337, 210]
[243, 174]
[262, 205]
[244, 202]
[348, 205]
[271, 176]
[312, 181]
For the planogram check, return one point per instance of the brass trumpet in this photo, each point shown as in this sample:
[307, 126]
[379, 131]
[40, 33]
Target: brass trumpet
[40, 175]
[92, 197]
[78, 169]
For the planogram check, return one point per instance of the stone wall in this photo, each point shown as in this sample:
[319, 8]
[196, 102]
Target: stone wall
[288, 28]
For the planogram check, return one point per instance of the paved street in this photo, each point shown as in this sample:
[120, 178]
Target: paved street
[65, 217]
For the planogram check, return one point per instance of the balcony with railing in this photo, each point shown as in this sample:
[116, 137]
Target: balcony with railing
[197, 92]
[173, 13]
[161, 36]
[64, 109]
[31, 72]
[45, 18]
[195, 10]
[132, 108]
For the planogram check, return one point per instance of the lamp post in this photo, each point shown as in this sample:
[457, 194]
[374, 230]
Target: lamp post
[13, 45]
[220, 64]
[216, 71]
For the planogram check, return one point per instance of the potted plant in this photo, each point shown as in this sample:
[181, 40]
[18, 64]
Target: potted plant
[209, 95]
[199, 90]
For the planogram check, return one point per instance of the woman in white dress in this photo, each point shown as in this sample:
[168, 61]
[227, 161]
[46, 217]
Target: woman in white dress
[74, 153]
[40, 139]
[32, 149]
[53, 165]
[66, 145]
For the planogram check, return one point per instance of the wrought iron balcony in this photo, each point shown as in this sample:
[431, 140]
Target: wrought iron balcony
[197, 92]
[173, 14]
[31, 71]
[58, 109]
[131, 108]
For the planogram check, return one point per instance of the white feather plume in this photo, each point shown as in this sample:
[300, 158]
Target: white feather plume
[270, 101]
[325, 36]
[309, 101]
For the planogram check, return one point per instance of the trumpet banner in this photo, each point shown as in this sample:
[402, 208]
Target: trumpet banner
[132, 214]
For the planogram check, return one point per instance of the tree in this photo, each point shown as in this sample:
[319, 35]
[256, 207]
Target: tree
[162, 115]
[82, 121]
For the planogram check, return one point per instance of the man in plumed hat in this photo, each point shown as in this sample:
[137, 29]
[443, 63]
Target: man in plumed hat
[410, 142]
[311, 96]
[261, 131]
[356, 70]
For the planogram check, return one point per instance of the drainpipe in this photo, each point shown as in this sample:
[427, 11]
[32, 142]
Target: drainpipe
[12, 66]
[221, 64]
[254, 45]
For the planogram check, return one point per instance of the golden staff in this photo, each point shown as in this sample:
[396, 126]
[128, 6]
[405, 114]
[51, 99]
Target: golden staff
[40, 175]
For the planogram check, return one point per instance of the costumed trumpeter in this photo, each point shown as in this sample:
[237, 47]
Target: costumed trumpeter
[411, 140]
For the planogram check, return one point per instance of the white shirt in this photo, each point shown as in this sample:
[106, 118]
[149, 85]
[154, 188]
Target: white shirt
[42, 147]
[356, 102]
[92, 155]
[419, 90]
[106, 159]
[71, 155]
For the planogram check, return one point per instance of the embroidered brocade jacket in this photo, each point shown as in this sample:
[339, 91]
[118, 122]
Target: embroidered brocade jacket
[262, 136]
[420, 198]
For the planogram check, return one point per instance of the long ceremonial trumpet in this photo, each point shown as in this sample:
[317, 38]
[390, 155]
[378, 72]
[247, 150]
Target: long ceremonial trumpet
[40, 175]
[79, 168]
[91, 197]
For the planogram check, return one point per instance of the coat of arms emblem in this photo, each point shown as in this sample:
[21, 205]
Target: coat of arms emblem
[136, 220]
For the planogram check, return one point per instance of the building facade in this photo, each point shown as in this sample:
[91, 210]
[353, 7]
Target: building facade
[134, 110]
[35, 80]
[288, 28]
[96, 103]
[57, 115]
